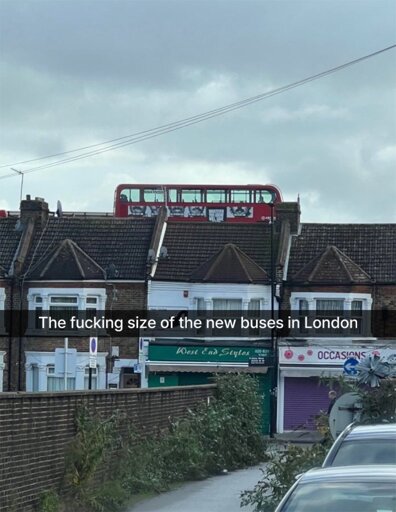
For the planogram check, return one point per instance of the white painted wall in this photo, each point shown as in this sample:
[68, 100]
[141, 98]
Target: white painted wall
[170, 295]
[43, 359]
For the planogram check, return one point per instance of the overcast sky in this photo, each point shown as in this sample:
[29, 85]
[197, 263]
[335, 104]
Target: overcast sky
[78, 72]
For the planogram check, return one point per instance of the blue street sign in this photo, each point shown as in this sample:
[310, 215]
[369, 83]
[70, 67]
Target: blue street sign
[93, 346]
[350, 366]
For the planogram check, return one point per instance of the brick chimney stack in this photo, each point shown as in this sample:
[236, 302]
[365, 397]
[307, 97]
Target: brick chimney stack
[289, 212]
[35, 210]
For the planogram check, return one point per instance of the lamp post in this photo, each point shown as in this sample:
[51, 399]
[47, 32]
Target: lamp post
[274, 348]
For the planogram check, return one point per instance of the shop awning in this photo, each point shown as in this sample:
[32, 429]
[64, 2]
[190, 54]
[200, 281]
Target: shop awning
[174, 368]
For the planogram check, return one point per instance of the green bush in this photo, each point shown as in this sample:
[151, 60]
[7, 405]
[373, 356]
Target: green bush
[222, 434]
[280, 474]
[49, 502]
[226, 434]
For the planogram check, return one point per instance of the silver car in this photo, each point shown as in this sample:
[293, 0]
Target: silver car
[343, 489]
[363, 444]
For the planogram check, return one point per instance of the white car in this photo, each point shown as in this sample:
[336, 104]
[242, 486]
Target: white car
[363, 444]
[343, 489]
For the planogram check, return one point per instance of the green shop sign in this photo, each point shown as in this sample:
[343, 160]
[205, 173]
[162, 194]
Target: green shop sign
[205, 354]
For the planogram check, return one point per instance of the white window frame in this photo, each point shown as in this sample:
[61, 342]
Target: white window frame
[41, 361]
[41, 298]
[312, 297]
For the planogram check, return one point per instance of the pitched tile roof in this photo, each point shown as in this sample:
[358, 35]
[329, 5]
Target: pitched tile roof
[67, 261]
[191, 244]
[332, 266]
[118, 244]
[9, 240]
[370, 246]
[230, 265]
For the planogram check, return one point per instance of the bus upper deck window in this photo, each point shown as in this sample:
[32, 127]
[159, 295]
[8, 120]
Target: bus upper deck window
[125, 194]
[172, 195]
[216, 196]
[240, 196]
[151, 195]
[265, 196]
[191, 196]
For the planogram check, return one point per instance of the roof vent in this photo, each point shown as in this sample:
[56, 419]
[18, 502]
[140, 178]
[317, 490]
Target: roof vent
[112, 272]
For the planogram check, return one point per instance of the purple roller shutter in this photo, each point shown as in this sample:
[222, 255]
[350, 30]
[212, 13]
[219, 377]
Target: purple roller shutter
[304, 398]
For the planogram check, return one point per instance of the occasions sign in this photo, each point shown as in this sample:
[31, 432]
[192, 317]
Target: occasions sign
[331, 356]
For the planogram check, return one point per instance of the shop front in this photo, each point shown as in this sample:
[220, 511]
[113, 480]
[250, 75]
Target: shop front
[302, 387]
[192, 364]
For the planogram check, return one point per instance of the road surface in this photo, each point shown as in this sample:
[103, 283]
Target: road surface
[216, 494]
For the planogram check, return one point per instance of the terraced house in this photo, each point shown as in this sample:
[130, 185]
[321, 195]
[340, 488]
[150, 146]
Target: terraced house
[335, 269]
[71, 263]
[91, 263]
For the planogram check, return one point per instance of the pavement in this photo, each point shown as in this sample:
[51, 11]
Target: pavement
[215, 494]
[299, 436]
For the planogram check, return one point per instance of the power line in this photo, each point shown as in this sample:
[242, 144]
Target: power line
[134, 138]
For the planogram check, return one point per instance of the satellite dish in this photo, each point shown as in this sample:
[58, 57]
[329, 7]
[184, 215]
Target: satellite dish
[18, 225]
[345, 410]
[163, 252]
[151, 256]
[59, 209]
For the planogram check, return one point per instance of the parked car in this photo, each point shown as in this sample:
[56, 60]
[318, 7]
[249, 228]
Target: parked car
[343, 489]
[363, 444]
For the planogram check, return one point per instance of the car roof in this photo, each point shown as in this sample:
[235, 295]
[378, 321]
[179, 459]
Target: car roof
[380, 430]
[383, 473]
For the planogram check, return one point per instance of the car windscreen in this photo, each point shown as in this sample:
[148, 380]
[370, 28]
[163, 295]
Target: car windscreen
[367, 451]
[342, 497]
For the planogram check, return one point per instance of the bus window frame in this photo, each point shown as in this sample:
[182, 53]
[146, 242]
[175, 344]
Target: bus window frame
[258, 191]
[246, 190]
[223, 190]
[201, 191]
[144, 201]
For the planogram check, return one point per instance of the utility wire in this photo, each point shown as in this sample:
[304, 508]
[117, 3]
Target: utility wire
[126, 140]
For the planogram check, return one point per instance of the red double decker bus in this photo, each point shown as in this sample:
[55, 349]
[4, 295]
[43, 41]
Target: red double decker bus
[216, 203]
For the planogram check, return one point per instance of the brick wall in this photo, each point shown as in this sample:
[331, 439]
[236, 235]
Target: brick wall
[36, 429]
